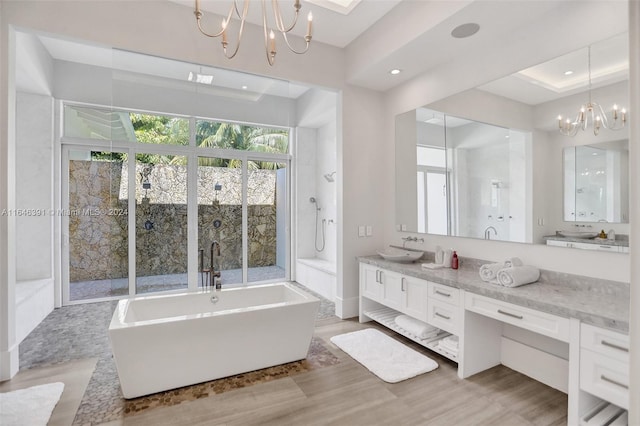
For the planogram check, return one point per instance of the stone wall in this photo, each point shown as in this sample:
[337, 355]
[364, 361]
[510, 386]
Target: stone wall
[98, 220]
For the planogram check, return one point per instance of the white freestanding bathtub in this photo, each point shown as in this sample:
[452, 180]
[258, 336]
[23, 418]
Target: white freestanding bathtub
[167, 341]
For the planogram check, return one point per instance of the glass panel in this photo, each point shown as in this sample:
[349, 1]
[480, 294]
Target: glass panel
[98, 240]
[219, 220]
[211, 134]
[161, 222]
[162, 130]
[266, 202]
[97, 123]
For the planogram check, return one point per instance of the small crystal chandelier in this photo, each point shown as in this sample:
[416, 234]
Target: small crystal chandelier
[269, 34]
[592, 114]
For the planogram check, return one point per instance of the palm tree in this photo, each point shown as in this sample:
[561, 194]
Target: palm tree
[240, 137]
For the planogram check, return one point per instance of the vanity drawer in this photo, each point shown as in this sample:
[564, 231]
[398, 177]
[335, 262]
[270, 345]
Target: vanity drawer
[444, 293]
[443, 315]
[606, 342]
[536, 321]
[604, 377]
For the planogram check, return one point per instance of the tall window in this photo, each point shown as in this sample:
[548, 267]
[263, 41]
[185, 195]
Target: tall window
[177, 202]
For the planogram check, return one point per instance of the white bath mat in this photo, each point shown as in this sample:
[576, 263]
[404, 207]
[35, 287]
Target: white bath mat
[31, 406]
[384, 356]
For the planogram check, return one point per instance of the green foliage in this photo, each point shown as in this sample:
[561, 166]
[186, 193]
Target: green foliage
[240, 137]
[156, 129]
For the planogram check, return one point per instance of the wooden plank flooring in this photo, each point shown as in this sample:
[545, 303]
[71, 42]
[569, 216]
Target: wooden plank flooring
[348, 394]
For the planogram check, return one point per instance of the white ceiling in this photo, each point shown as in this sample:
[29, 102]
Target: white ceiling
[414, 35]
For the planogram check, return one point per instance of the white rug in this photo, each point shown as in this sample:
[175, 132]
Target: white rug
[384, 356]
[31, 406]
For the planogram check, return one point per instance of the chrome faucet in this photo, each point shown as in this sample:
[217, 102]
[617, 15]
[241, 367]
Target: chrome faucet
[487, 232]
[407, 239]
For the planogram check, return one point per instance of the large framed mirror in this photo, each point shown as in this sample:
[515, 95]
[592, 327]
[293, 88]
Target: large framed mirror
[491, 162]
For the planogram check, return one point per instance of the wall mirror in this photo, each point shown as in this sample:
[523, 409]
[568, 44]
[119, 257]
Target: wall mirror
[490, 162]
[596, 182]
[462, 177]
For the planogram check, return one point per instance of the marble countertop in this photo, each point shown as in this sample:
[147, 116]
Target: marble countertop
[617, 242]
[564, 295]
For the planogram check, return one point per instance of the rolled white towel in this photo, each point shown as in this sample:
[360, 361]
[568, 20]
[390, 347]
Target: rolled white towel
[489, 271]
[513, 261]
[518, 275]
[420, 329]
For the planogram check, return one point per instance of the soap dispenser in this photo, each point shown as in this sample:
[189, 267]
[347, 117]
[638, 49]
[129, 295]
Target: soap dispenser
[454, 260]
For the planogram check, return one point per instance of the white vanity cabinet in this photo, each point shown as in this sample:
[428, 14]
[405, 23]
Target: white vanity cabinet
[443, 307]
[588, 246]
[386, 294]
[399, 292]
[604, 364]
[382, 286]
[589, 363]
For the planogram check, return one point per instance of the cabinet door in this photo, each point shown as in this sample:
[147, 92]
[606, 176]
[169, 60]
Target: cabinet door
[370, 282]
[392, 289]
[415, 297]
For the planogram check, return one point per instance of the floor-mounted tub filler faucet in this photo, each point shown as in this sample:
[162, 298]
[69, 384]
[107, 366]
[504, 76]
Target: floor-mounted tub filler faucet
[487, 232]
[210, 277]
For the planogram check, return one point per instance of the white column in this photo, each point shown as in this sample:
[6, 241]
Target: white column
[8, 344]
[634, 205]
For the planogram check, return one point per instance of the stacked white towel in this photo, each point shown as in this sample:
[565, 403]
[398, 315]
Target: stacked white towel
[489, 271]
[420, 329]
[518, 275]
[449, 344]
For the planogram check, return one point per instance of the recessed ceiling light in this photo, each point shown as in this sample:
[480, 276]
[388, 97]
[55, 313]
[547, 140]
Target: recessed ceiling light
[395, 71]
[568, 72]
[465, 30]
[244, 87]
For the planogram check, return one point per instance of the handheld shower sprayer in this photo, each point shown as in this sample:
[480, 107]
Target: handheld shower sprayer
[314, 201]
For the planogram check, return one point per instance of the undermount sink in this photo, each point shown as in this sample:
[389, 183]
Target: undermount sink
[578, 234]
[399, 255]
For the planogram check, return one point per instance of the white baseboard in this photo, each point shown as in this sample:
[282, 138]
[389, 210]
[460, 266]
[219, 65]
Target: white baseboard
[347, 308]
[544, 367]
[9, 363]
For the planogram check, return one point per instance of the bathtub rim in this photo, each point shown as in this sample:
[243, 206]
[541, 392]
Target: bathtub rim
[118, 319]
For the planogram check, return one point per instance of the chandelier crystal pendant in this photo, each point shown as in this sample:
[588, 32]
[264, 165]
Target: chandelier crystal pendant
[593, 115]
[269, 34]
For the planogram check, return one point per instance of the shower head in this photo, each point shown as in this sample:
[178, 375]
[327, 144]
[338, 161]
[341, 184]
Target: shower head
[313, 200]
[330, 177]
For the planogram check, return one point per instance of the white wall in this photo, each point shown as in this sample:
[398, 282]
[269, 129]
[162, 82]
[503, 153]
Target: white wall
[305, 150]
[34, 186]
[367, 176]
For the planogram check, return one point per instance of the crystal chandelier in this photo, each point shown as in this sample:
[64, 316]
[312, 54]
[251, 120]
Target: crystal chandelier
[269, 34]
[593, 115]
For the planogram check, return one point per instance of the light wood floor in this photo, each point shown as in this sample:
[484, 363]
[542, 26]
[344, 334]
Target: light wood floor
[348, 394]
